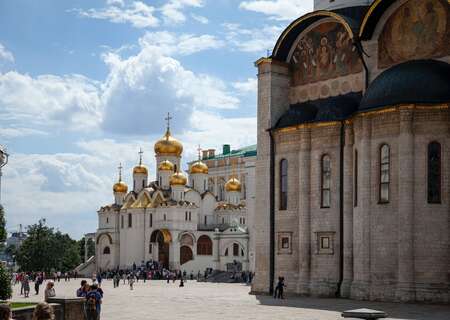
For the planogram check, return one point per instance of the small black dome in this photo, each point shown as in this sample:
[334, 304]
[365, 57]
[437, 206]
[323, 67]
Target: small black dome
[412, 82]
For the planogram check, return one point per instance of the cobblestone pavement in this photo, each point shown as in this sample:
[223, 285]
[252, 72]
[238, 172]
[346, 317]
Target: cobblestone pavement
[159, 300]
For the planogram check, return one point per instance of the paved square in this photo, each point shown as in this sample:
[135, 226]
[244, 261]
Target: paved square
[201, 301]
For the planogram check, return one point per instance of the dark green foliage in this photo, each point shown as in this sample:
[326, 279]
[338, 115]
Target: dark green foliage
[5, 283]
[47, 250]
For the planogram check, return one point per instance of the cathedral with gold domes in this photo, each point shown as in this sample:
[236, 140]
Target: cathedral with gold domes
[176, 220]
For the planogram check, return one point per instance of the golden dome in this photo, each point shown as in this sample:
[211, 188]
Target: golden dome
[120, 187]
[233, 185]
[166, 165]
[168, 145]
[140, 169]
[199, 167]
[178, 179]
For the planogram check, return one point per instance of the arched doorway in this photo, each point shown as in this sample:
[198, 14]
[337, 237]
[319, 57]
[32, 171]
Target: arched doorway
[162, 238]
[185, 254]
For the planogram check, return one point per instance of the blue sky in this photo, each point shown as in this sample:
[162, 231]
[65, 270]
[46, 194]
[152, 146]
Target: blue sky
[84, 84]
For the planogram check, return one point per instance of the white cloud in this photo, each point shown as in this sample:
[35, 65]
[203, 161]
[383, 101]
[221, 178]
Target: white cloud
[201, 19]
[7, 133]
[279, 9]
[48, 100]
[140, 89]
[138, 14]
[185, 44]
[5, 54]
[245, 87]
[251, 40]
[172, 11]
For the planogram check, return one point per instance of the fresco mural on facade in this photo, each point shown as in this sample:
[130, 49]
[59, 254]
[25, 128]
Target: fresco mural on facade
[324, 52]
[419, 29]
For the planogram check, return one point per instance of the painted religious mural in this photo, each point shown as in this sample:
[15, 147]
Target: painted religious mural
[325, 52]
[418, 29]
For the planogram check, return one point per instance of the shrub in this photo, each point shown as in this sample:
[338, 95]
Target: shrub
[5, 283]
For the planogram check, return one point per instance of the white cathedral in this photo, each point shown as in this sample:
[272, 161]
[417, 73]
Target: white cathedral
[174, 220]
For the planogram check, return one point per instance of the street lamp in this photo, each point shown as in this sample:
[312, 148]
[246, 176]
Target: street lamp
[3, 161]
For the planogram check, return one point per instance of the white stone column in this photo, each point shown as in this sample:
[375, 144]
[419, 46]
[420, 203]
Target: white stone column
[216, 249]
[405, 281]
[348, 211]
[361, 219]
[304, 212]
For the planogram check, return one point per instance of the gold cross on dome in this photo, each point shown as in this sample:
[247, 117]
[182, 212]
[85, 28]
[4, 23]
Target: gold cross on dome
[168, 118]
[199, 152]
[140, 155]
[120, 171]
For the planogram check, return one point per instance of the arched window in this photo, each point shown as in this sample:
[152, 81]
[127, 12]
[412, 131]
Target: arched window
[325, 182]
[226, 252]
[283, 184]
[175, 168]
[385, 176]
[204, 246]
[150, 247]
[235, 250]
[434, 172]
[242, 252]
[130, 220]
[106, 250]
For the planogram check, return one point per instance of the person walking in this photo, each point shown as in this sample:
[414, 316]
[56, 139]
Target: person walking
[131, 281]
[279, 289]
[93, 303]
[37, 283]
[49, 291]
[43, 311]
[26, 286]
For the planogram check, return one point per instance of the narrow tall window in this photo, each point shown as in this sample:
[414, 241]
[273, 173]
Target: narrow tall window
[151, 220]
[189, 216]
[355, 179]
[326, 182]
[235, 250]
[283, 184]
[121, 221]
[385, 176]
[130, 220]
[206, 220]
[434, 172]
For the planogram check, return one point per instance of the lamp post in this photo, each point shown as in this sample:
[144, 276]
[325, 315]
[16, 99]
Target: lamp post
[3, 161]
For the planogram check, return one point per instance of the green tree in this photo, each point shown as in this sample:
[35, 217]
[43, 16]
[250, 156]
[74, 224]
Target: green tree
[3, 233]
[5, 283]
[47, 250]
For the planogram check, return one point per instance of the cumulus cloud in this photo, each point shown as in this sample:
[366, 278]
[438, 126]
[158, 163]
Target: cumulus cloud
[172, 11]
[138, 14]
[251, 40]
[5, 55]
[48, 99]
[140, 89]
[170, 43]
[248, 86]
[285, 10]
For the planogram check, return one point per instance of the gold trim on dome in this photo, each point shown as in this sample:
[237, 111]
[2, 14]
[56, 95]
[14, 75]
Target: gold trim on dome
[120, 187]
[199, 167]
[166, 165]
[307, 16]
[168, 145]
[233, 185]
[367, 16]
[178, 179]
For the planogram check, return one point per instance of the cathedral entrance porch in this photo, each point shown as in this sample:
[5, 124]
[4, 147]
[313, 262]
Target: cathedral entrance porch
[162, 239]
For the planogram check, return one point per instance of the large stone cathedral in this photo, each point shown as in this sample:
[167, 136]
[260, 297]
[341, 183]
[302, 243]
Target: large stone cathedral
[181, 223]
[353, 164]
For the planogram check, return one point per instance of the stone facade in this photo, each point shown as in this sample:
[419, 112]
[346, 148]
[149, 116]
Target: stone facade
[379, 237]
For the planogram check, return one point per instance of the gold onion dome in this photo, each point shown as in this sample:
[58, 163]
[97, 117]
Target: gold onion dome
[140, 169]
[166, 165]
[168, 146]
[178, 179]
[199, 167]
[120, 187]
[233, 185]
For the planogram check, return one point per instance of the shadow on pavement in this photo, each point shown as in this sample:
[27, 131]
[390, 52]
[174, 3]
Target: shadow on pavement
[394, 310]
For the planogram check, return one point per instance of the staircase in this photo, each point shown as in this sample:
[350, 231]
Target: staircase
[222, 277]
[86, 269]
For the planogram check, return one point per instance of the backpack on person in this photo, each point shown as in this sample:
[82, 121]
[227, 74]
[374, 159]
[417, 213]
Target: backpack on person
[91, 303]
